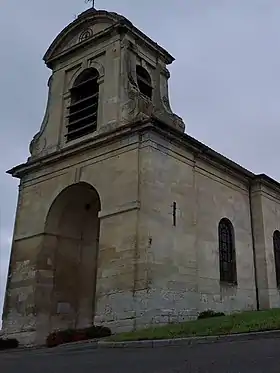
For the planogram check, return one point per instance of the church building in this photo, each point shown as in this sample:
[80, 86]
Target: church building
[123, 219]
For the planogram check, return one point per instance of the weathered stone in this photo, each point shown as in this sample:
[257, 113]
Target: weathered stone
[120, 226]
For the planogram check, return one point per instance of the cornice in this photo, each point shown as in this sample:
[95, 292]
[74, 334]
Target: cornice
[200, 150]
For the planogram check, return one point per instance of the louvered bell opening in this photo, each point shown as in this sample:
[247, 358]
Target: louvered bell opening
[144, 82]
[82, 118]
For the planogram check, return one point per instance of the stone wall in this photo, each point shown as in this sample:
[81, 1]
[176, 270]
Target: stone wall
[182, 262]
[162, 195]
[266, 217]
[113, 172]
[151, 269]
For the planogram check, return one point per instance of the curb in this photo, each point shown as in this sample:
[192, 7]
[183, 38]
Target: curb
[190, 341]
[21, 349]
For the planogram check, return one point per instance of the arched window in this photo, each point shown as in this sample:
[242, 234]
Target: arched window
[276, 247]
[227, 252]
[82, 118]
[144, 81]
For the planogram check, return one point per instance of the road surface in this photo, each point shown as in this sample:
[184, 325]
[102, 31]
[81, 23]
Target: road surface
[256, 356]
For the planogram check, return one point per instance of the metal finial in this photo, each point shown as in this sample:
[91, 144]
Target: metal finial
[91, 1]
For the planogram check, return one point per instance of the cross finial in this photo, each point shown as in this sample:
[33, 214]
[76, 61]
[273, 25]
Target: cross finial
[92, 2]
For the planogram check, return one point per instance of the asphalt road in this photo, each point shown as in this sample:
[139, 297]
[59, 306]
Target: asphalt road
[257, 356]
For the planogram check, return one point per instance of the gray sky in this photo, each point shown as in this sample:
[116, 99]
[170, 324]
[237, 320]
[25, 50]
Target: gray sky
[224, 82]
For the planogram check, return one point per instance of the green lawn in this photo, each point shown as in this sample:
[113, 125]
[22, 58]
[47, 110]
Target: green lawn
[230, 324]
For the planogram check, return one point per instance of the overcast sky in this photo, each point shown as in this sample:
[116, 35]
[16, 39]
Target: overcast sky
[225, 82]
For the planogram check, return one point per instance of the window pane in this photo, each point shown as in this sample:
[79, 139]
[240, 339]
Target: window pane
[276, 246]
[227, 252]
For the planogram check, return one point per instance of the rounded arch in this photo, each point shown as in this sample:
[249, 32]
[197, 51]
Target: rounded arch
[93, 66]
[87, 195]
[276, 235]
[84, 76]
[228, 223]
[98, 67]
[71, 240]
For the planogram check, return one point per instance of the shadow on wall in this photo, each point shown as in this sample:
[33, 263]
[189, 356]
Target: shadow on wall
[4, 265]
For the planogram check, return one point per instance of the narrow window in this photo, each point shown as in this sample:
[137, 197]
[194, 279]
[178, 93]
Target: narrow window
[174, 213]
[144, 81]
[82, 118]
[227, 252]
[276, 247]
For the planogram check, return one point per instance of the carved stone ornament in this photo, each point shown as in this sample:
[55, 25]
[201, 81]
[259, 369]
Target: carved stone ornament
[38, 144]
[178, 122]
[130, 106]
[169, 118]
[137, 106]
[86, 34]
[166, 103]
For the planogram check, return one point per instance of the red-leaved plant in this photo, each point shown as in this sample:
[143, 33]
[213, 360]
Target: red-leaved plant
[74, 335]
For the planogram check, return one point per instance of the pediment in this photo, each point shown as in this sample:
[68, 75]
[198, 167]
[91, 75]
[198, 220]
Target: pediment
[84, 32]
[86, 26]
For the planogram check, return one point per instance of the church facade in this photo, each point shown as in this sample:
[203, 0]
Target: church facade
[123, 219]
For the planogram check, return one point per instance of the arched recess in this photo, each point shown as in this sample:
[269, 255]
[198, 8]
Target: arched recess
[74, 224]
[82, 117]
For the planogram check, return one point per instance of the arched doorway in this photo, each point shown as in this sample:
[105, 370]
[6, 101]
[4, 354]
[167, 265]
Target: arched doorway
[73, 220]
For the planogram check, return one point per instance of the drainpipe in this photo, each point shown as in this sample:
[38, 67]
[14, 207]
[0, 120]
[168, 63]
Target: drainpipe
[254, 246]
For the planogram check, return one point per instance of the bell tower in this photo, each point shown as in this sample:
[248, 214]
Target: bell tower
[105, 74]
[79, 252]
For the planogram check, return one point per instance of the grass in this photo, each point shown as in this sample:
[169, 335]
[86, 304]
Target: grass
[242, 322]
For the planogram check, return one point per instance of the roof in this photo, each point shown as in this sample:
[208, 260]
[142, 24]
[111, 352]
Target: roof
[94, 16]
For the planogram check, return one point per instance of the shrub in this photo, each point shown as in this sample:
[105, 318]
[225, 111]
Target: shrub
[74, 335]
[60, 336]
[209, 313]
[8, 343]
[97, 332]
